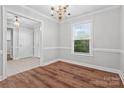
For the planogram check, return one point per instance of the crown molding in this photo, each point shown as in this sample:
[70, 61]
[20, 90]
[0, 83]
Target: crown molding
[74, 17]
[39, 13]
[91, 13]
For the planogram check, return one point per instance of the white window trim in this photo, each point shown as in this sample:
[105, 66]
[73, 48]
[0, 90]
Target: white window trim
[91, 40]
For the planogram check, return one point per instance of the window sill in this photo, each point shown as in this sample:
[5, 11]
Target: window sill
[82, 54]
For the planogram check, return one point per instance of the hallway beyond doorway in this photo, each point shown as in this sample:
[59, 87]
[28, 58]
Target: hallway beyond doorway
[21, 65]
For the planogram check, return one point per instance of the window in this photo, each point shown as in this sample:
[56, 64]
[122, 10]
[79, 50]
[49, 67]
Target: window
[82, 38]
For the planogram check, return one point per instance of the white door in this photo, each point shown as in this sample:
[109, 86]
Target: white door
[25, 43]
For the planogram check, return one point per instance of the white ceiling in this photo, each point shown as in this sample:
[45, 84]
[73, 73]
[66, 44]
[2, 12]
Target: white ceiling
[75, 10]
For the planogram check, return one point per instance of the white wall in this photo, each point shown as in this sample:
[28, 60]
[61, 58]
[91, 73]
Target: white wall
[122, 41]
[106, 28]
[51, 35]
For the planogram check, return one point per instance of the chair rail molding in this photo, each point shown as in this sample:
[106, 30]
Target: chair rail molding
[122, 51]
[107, 50]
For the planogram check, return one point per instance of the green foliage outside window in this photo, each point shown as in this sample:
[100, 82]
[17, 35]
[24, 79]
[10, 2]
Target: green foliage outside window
[81, 46]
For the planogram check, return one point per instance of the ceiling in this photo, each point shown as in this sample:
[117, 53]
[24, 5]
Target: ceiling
[75, 10]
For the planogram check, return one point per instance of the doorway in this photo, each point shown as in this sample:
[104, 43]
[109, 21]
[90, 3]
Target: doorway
[24, 44]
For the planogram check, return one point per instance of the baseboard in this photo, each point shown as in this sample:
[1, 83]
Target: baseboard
[83, 64]
[121, 76]
[88, 65]
[120, 73]
[50, 62]
[91, 66]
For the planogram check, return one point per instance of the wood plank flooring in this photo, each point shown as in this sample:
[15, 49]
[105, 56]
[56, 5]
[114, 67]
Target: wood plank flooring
[63, 75]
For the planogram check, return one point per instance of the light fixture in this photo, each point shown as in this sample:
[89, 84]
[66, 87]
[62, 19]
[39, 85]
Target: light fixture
[16, 22]
[59, 11]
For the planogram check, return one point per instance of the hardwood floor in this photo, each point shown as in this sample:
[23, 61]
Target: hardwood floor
[63, 75]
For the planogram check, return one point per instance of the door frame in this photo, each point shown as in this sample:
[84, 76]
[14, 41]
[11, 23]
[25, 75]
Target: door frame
[4, 41]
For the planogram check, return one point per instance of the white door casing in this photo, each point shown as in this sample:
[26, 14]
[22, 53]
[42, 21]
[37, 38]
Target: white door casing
[36, 42]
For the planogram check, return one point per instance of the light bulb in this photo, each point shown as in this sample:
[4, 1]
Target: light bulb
[16, 23]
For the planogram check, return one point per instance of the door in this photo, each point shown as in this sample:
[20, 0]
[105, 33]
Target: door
[25, 43]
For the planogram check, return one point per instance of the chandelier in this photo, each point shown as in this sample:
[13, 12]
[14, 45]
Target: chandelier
[59, 11]
[16, 22]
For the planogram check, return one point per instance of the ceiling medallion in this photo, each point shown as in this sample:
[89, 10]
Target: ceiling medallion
[59, 11]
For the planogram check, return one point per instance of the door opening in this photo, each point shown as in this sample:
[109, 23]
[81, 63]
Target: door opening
[24, 44]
